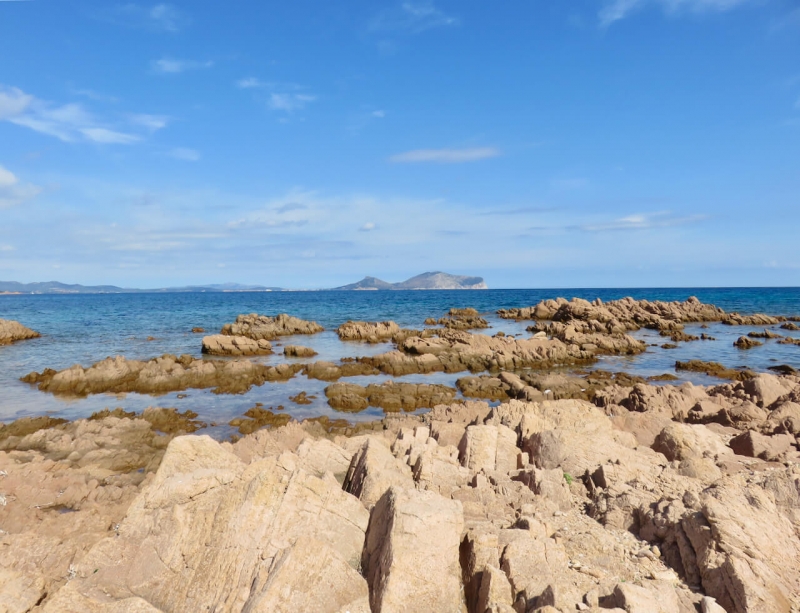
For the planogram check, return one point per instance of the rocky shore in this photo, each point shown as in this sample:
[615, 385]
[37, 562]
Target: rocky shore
[650, 499]
[585, 490]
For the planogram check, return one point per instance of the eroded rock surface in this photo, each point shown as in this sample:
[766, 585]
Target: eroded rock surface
[12, 331]
[168, 373]
[220, 344]
[263, 327]
[370, 332]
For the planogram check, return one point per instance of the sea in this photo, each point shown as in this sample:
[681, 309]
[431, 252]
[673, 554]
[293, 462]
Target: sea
[86, 328]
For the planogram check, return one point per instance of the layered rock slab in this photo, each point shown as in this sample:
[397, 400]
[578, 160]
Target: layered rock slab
[263, 327]
[13, 331]
[411, 554]
[220, 344]
[206, 533]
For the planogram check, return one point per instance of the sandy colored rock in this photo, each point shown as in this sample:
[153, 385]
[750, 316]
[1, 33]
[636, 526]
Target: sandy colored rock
[390, 396]
[370, 332]
[489, 448]
[298, 351]
[411, 554]
[168, 373]
[373, 470]
[13, 331]
[743, 342]
[235, 346]
[755, 445]
[262, 327]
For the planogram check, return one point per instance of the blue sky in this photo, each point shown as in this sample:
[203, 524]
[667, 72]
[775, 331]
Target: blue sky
[537, 143]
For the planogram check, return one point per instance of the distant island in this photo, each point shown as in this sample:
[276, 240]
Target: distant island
[54, 287]
[427, 280]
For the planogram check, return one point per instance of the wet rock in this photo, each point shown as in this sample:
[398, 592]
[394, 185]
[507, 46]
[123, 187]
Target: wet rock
[389, 396]
[790, 326]
[369, 332]
[768, 334]
[27, 425]
[262, 327]
[461, 319]
[159, 375]
[298, 351]
[744, 342]
[12, 331]
[198, 330]
[411, 553]
[237, 346]
[328, 371]
[256, 418]
[714, 369]
[302, 398]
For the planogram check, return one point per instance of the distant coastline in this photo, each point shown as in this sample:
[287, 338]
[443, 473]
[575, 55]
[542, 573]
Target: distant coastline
[425, 281]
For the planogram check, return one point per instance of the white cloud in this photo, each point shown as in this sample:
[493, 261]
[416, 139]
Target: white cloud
[249, 83]
[614, 10]
[12, 192]
[367, 227]
[7, 248]
[151, 122]
[641, 221]
[109, 137]
[379, 114]
[446, 156]
[69, 122]
[13, 102]
[412, 17]
[175, 66]
[165, 17]
[289, 102]
[185, 154]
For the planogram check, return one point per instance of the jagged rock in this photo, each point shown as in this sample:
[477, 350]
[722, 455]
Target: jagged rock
[12, 331]
[298, 351]
[495, 589]
[258, 417]
[411, 554]
[262, 327]
[237, 346]
[373, 470]
[755, 445]
[683, 442]
[489, 448]
[714, 369]
[232, 523]
[370, 332]
[160, 375]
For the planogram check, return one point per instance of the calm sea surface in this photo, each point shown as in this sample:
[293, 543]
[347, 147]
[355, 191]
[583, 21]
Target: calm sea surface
[83, 329]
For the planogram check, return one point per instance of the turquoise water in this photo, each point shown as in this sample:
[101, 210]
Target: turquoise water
[83, 329]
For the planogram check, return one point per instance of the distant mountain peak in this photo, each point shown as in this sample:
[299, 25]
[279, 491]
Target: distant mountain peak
[427, 280]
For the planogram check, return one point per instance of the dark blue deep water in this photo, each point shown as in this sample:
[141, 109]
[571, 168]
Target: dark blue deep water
[87, 328]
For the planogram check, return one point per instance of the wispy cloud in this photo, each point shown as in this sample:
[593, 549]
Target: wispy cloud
[412, 17]
[367, 227]
[523, 210]
[446, 156]
[156, 18]
[168, 65]
[12, 192]
[185, 154]
[13, 102]
[289, 102]
[640, 221]
[150, 122]
[71, 122]
[614, 10]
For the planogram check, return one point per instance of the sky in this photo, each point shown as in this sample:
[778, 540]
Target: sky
[306, 144]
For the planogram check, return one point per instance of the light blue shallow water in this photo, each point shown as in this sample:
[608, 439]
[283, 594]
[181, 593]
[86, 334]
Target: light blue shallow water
[84, 329]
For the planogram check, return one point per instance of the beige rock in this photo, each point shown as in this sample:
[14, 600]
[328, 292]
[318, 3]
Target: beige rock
[262, 327]
[12, 331]
[367, 331]
[309, 576]
[19, 592]
[683, 441]
[205, 532]
[373, 470]
[220, 344]
[298, 351]
[495, 589]
[755, 445]
[638, 599]
[411, 555]
[489, 448]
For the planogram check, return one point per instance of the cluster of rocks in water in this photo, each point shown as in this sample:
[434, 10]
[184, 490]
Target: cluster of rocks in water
[589, 491]
[670, 499]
